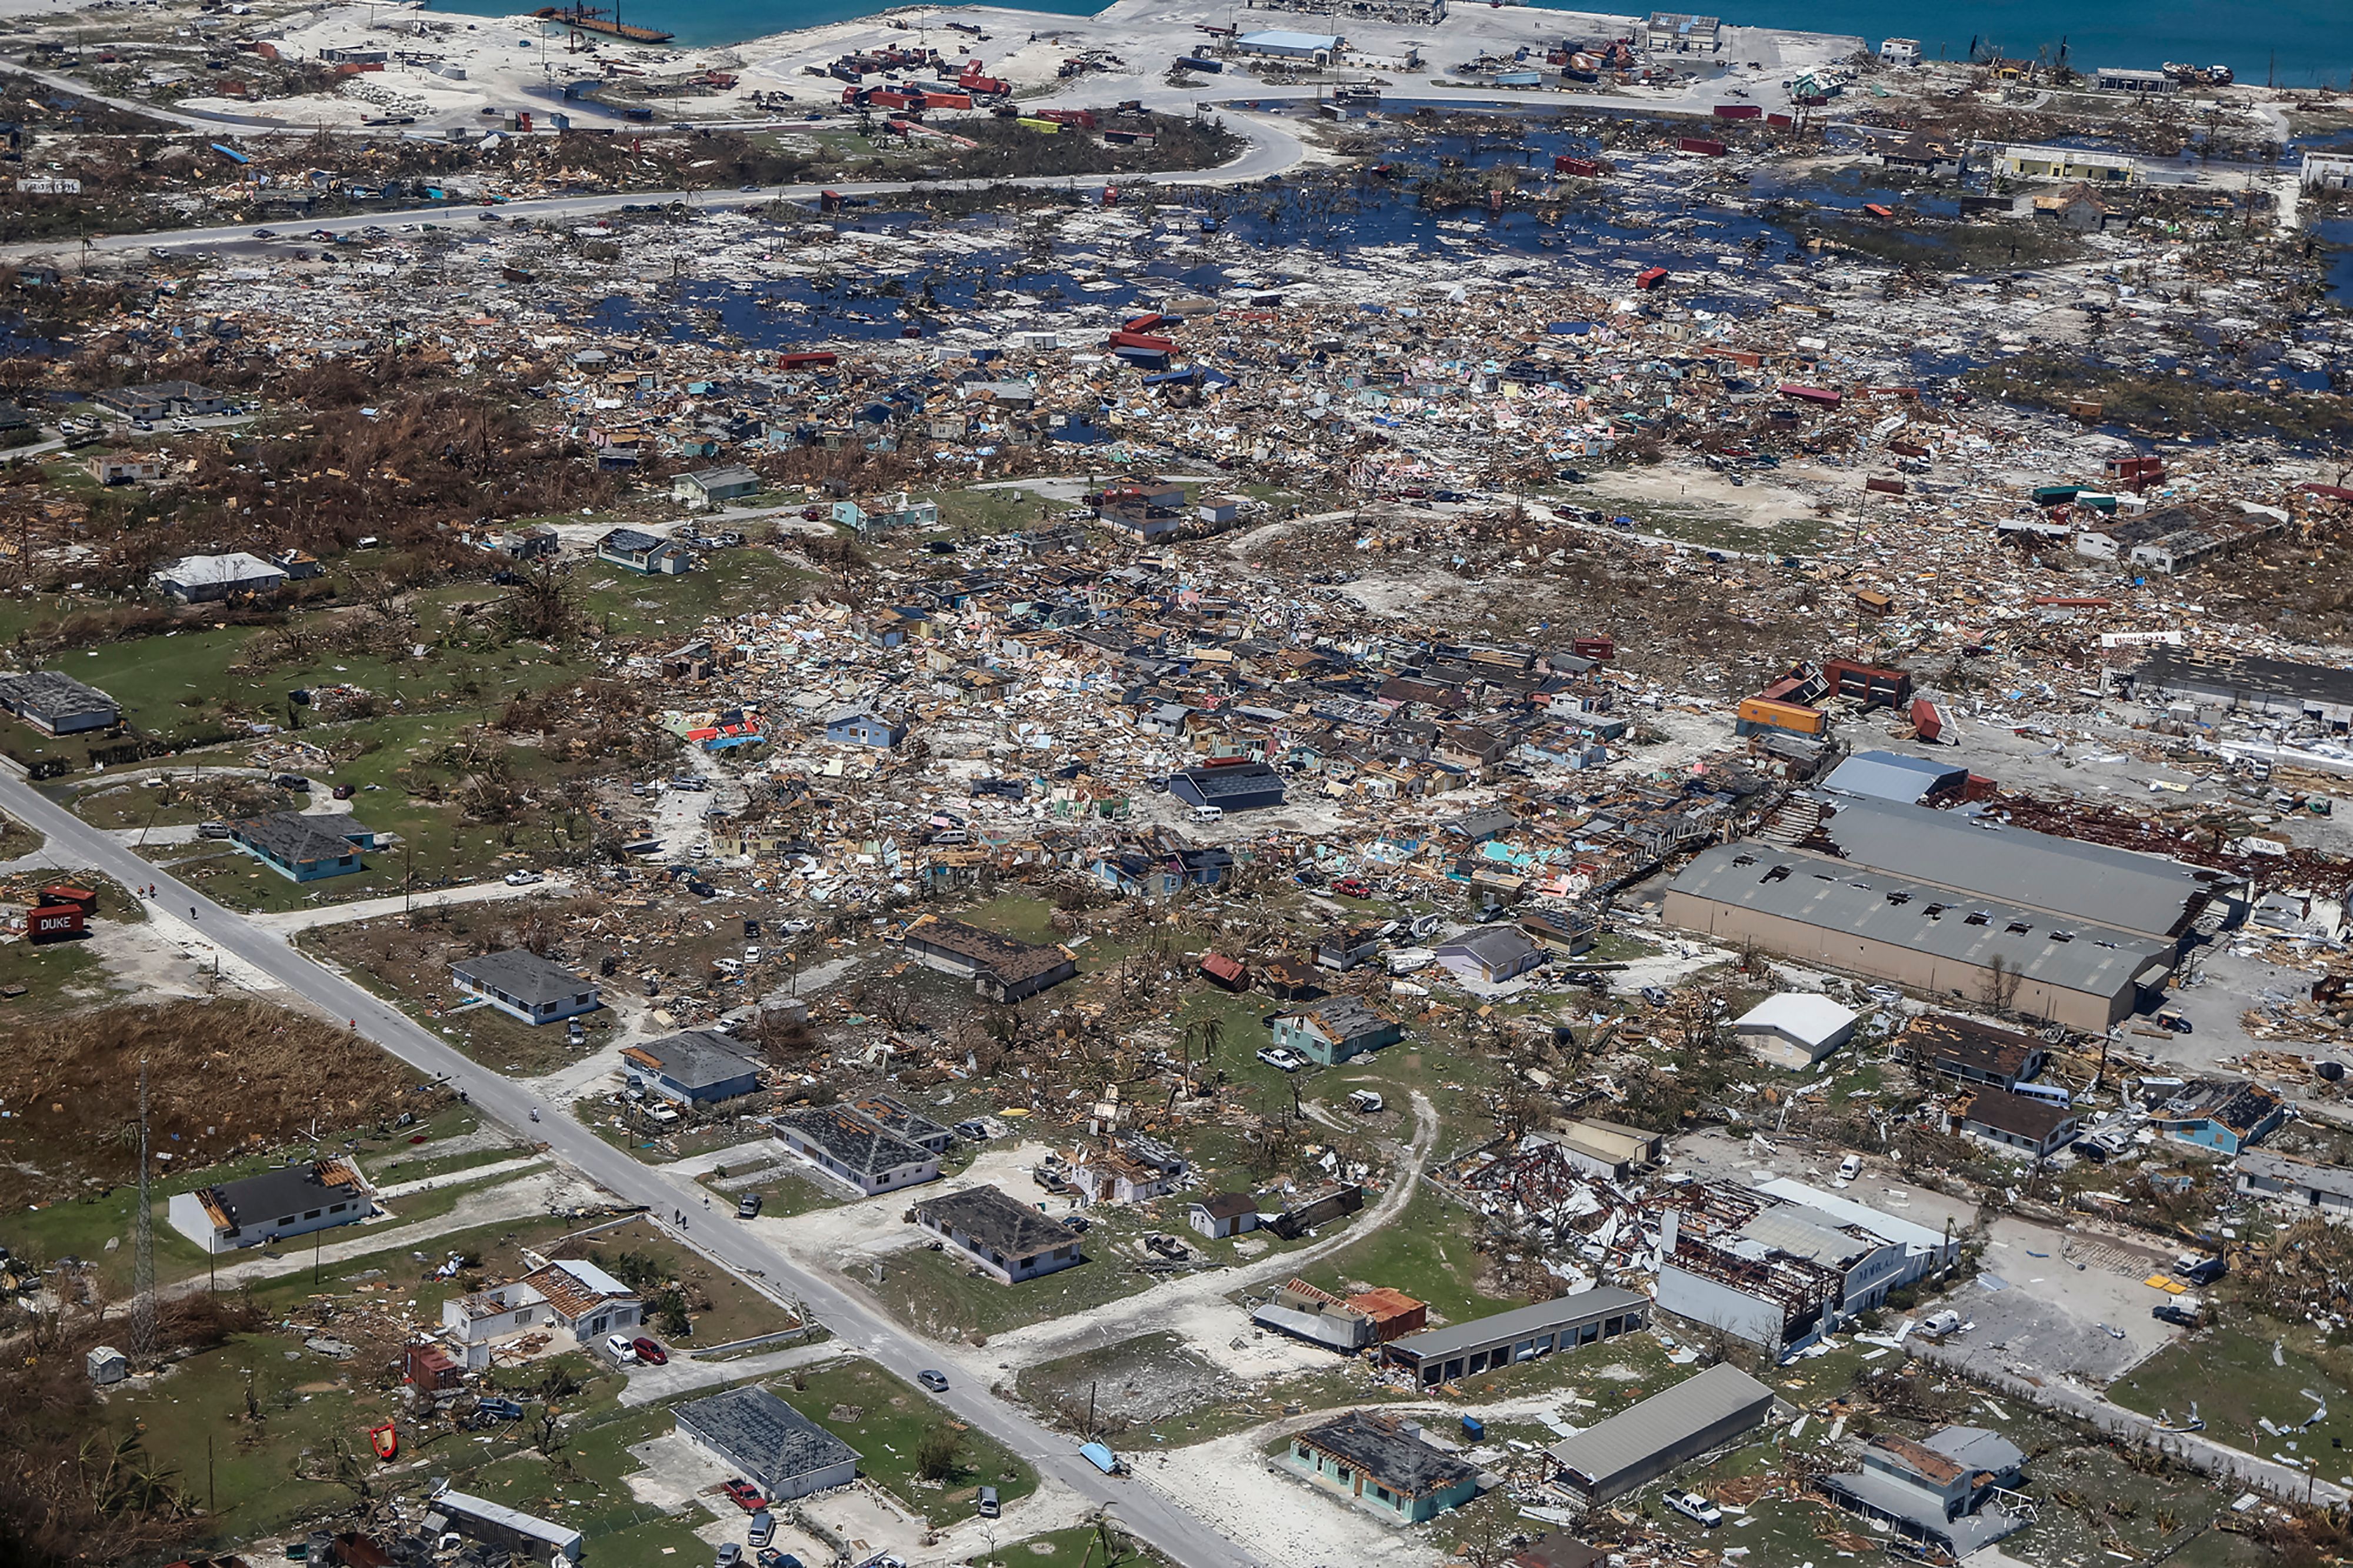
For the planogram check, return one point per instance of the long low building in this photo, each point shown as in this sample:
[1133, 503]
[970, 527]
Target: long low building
[1820, 910]
[1523, 1333]
[764, 1439]
[56, 704]
[849, 1143]
[1001, 968]
[1645, 1441]
[2276, 686]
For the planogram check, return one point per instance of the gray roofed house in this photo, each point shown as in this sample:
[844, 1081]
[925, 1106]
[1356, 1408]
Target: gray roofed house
[1335, 1028]
[1502, 1339]
[292, 1200]
[1893, 776]
[770, 1444]
[1478, 827]
[899, 1119]
[201, 579]
[1814, 908]
[2144, 894]
[1645, 1441]
[56, 704]
[526, 985]
[2020, 1121]
[1381, 1460]
[1237, 786]
[1491, 956]
[1007, 1238]
[714, 484]
[2298, 1184]
[301, 846]
[695, 1066]
[1953, 1490]
[847, 1142]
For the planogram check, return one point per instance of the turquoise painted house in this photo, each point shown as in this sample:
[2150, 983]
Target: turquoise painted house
[1334, 1029]
[1379, 1461]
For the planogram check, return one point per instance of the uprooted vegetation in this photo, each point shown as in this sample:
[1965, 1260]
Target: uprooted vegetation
[225, 1077]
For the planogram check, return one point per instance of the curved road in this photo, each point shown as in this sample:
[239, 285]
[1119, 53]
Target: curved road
[1142, 1511]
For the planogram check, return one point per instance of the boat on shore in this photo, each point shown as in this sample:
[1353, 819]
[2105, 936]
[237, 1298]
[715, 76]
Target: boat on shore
[590, 19]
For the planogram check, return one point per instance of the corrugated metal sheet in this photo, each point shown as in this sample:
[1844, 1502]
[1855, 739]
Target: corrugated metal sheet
[1663, 1423]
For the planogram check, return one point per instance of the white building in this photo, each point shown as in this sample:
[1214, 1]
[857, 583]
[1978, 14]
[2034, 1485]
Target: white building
[293, 1200]
[1795, 1029]
[1899, 51]
[202, 578]
[575, 1297]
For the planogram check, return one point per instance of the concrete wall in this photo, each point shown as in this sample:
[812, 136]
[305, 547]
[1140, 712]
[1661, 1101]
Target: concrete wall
[1704, 1300]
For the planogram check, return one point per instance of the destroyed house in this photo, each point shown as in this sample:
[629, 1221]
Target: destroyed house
[845, 1141]
[1336, 1029]
[755, 1435]
[1505, 1338]
[2272, 687]
[292, 1200]
[2173, 537]
[1974, 1052]
[1775, 1264]
[900, 1120]
[303, 848]
[635, 549]
[570, 1294]
[2222, 1114]
[694, 1067]
[57, 704]
[1007, 1240]
[1345, 947]
[2074, 878]
[1952, 1491]
[1125, 1168]
[1380, 1460]
[1639, 1444]
[524, 986]
[1919, 936]
[1001, 968]
[2038, 1127]
[1491, 955]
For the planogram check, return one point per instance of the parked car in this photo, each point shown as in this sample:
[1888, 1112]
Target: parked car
[344, 792]
[937, 1382]
[748, 1207]
[987, 1503]
[1282, 1058]
[769, 1557]
[523, 878]
[265, 234]
[1850, 1167]
[761, 1530]
[1077, 1223]
[649, 1352]
[619, 1348]
[972, 1132]
[294, 781]
[1691, 1505]
[1353, 888]
[743, 1495]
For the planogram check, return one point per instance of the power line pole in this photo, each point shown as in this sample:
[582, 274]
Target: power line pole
[142, 1253]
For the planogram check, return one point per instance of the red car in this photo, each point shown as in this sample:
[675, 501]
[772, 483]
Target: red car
[649, 1352]
[1353, 888]
[744, 1495]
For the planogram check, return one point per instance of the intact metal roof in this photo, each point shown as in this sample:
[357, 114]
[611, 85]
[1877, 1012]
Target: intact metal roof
[1662, 1423]
[1845, 1210]
[770, 1441]
[1801, 1014]
[2120, 887]
[696, 1059]
[523, 975]
[196, 571]
[1836, 895]
[1521, 1322]
[1890, 776]
[2335, 1180]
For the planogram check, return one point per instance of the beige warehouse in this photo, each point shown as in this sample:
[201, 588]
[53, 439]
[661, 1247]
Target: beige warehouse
[1928, 939]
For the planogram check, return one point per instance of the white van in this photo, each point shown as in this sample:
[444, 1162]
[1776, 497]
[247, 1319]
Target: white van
[1208, 814]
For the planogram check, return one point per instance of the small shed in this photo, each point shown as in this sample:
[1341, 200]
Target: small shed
[1795, 1029]
[107, 1366]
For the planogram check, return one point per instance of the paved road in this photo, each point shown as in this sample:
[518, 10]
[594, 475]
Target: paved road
[856, 1324]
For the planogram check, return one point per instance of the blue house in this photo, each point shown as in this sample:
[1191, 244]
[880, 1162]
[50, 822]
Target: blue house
[2220, 1114]
[698, 1066]
[862, 727]
[1334, 1029]
[524, 986]
[303, 849]
[1379, 1461]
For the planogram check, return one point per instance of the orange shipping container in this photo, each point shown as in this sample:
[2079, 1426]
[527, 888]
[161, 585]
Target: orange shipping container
[1786, 716]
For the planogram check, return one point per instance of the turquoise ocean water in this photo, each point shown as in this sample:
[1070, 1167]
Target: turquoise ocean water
[2297, 43]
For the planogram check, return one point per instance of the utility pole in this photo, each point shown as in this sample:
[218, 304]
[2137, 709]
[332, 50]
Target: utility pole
[142, 1253]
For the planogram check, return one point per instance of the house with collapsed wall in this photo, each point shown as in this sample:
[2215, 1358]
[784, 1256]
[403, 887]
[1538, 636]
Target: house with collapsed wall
[1125, 1168]
[571, 1294]
[1782, 1263]
[1001, 968]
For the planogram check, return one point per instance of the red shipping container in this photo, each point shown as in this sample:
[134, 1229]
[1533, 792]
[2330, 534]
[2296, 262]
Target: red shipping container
[1884, 487]
[1702, 146]
[54, 923]
[1779, 122]
[1650, 277]
[1582, 168]
[806, 359]
[1140, 340]
[1737, 110]
[1602, 651]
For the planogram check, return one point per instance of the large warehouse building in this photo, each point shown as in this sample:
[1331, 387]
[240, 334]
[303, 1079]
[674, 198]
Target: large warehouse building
[1644, 1441]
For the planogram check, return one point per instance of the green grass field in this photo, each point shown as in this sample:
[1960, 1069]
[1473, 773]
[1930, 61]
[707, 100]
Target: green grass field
[889, 1421]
